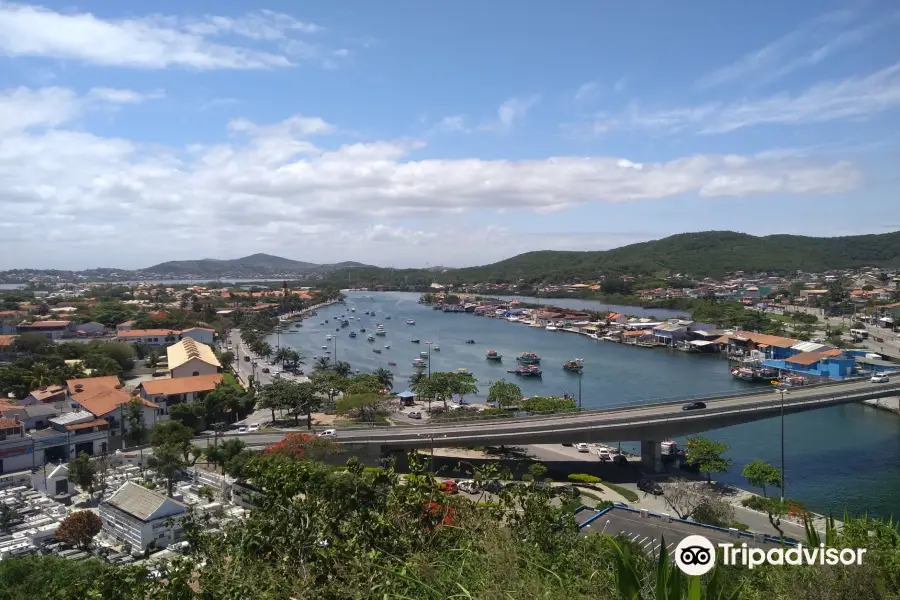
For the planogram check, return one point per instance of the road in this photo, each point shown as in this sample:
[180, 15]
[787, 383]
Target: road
[650, 422]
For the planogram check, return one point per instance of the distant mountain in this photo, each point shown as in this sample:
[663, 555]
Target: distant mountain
[706, 253]
[248, 266]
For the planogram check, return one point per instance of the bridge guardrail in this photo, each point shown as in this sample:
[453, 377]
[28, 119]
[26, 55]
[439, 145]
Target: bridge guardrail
[772, 403]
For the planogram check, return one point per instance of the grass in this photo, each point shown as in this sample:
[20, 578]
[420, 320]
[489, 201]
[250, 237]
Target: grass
[623, 491]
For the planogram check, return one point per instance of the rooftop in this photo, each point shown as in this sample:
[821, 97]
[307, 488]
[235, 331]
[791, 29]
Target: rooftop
[72, 417]
[142, 503]
[9, 423]
[88, 425]
[182, 385]
[146, 333]
[48, 324]
[187, 350]
[47, 393]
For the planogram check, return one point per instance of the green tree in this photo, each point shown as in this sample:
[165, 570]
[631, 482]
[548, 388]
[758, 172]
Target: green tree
[362, 407]
[759, 473]
[503, 393]
[133, 413]
[170, 432]
[167, 460]
[8, 516]
[83, 472]
[386, 377]
[707, 455]
[226, 358]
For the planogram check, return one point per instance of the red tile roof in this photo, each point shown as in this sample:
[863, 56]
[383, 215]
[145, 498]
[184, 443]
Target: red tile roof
[182, 385]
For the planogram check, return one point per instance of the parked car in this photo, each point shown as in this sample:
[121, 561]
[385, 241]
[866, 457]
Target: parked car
[694, 406]
[569, 444]
[604, 454]
[448, 487]
[266, 370]
[414, 414]
[582, 447]
[242, 430]
[493, 487]
[880, 378]
[328, 433]
[650, 487]
[468, 486]
[246, 359]
[253, 427]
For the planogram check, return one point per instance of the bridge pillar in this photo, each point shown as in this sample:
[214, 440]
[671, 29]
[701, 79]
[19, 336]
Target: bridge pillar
[651, 456]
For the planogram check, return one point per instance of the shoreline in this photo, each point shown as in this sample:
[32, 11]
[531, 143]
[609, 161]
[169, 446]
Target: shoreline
[887, 404]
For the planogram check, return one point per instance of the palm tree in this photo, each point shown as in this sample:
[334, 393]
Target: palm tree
[385, 377]
[265, 350]
[342, 368]
[282, 355]
[415, 382]
[294, 358]
[39, 376]
[323, 363]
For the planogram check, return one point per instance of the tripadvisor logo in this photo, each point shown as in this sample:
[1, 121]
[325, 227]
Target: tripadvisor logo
[696, 555]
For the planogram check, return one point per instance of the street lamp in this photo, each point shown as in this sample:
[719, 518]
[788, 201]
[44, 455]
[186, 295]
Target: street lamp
[782, 391]
[579, 389]
[429, 367]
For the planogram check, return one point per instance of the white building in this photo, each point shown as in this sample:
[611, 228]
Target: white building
[148, 337]
[142, 517]
[188, 358]
[166, 393]
[200, 334]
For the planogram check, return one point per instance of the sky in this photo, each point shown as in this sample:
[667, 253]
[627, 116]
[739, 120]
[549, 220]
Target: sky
[406, 133]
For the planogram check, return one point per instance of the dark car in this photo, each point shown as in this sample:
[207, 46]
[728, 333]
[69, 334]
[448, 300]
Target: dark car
[493, 487]
[266, 370]
[570, 490]
[693, 406]
[651, 487]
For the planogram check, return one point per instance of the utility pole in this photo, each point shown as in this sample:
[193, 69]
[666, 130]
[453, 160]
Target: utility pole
[782, 391]
[579, 390]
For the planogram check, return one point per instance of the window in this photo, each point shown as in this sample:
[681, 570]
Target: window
[196, 373]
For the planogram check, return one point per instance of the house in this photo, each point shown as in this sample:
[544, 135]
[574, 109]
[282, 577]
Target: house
[669, 334]
[827, 364]
[16, 450]
[83, 432]
[53, 394]
[200, 334]
[742, 343]
[104, 398]
[125, 326]
[142, 518]
[52, 329]
[616, 319]
[148, 337]
[166, 393]
[6, 344]
[36, 416]
[188, 358]
[53, 481]
[8, 321]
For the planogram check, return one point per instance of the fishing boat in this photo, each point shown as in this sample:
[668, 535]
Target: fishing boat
[464, 372]
[329, 336]
[529, 371]
[416, 341]
[324, 347]
[436, 348]
[362, 329]
[529, 358]
[387, 317]
[392, 363]
[379, 330]
[470, 341]
[410, 322]
[419, 363]
[353, 334]
[423, 354]
[376, 350]
[550, 328]
[574, 365]
[493, 355]
[345, 323]
[352, 309]
[387, 346]
[370, 337]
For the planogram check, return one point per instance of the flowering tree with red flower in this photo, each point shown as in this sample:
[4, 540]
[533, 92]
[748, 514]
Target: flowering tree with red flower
[301, 446]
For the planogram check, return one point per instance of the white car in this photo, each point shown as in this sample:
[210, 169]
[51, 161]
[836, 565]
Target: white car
[414, 415]
[328, 433]
[604, 454]
[253, 427]
[881, 378]
[242, 430]
[582, 447]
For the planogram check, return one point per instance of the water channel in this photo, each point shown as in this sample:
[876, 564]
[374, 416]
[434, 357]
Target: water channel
[836, 458]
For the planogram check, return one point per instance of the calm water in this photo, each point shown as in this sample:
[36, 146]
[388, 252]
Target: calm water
[836, 458]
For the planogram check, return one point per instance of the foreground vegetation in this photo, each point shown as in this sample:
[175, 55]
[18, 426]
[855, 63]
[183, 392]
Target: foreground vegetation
[321, 533]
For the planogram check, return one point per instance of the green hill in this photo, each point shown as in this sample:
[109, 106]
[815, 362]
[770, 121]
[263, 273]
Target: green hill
[251, 266]
[706, 253]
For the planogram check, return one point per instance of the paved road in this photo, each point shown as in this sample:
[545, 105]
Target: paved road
[632, 422]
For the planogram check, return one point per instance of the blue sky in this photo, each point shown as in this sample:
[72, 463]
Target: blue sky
[404, 133]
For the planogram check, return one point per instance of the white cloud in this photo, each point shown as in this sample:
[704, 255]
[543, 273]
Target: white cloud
[451, 124]
[158, 41]
[271, 185]
[585, 92]
[120, 96]
[851, 98]
[515, 109]
[804, 47]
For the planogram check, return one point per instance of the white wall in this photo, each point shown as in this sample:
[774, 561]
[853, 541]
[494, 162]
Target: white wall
[193, 367]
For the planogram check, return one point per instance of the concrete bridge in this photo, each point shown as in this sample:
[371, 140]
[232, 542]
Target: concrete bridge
[649, 422]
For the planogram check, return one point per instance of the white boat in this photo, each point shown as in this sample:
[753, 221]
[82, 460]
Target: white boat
[550, 328]
[329, 336]
[370, 337]
[436, 348]
[533, 324]
[324, 347]
[387, 346]
[410, 322]
[352, 309]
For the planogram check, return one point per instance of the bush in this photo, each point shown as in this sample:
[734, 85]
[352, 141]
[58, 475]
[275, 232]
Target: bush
[583, 478]
[527, 477]
[623, 491]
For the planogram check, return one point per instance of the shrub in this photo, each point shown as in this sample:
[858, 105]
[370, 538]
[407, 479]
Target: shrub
[527, 477]
[583, 478]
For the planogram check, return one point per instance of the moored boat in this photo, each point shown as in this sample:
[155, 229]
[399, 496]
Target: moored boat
[353, 334]
[436, 348]
[376, 350]
[493, 355]
[528, 371]
[410, 322]
[392, 363]
[416, 341]
[464, 372]
[423, 354]
[419, 363]
[574, 365]
[529, 358]
[370, 337]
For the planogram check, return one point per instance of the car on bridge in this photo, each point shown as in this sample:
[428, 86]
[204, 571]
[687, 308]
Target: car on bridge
[694, 406]
[880, 378]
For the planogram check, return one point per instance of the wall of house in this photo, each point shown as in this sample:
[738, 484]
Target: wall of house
[199, 335]
[140, 534]
[194, 367]
[16, 454]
